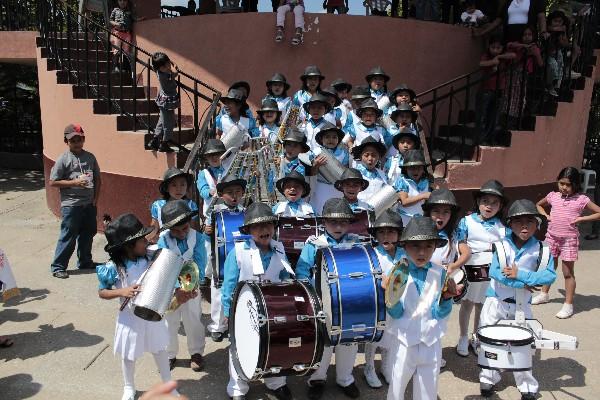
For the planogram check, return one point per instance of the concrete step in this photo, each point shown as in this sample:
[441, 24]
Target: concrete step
[126, 122]
[79, 92]
[141, 106]
[116, 79]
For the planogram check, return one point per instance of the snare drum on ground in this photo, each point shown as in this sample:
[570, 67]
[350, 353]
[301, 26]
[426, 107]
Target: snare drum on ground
[505, 347]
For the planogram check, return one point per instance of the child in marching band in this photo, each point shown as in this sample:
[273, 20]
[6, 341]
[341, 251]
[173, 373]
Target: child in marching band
[515, 270]
[119, 278]
[334, 116]
[174, 186]
[358, 95]
[244, 88]
[343, 89]
[351, 183]
[419, 317]
[403, 94]
[212, 174]
[329, 137]
[234, 116]
[403, 141]
[277, 88]
[368, 153]
[404, 117]
[295, 188]
[179, 237]
[258, 257]
[413, 186]
[317, 107]
[230, 192]
[311, 85]
[386, 230]
[337, 217]
[377, 80]
[269, 119]
[369, 113]
[481, 229]
[294, 143]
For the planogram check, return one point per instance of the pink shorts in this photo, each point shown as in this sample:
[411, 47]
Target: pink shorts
[565, 248]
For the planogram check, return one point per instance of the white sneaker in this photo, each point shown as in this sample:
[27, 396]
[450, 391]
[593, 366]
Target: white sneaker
[540, 298]
[372, 378]
[565, 312]
[462, 348]
[443, 363]
[128, 393]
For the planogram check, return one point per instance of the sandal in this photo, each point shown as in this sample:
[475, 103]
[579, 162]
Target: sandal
[6, 342]
[279, 34]
[297, 38]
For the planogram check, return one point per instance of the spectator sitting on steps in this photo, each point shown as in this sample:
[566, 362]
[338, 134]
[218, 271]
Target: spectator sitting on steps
[296, 7]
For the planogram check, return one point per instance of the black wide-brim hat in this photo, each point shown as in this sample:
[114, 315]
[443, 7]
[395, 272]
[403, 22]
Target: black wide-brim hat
[278, 78]
[297, 136]
[214, 146]
[401, 88]
[234, 95]
[241, 84]
[293, 176]
[361, 92]
[368, 141]
[406, 132]
[311, 70]
[174, 213]
[230, 180]
[414, 158]
[351, 174]
[421, 228]
[171, 174]
[369, 104]
[268, 105]
[377, 71]
[337, 208]
[318, 98]
[329, 127]
[441, 197]
[341, 84]
[257, 213]
[403, 107]
[492, 187]
[330, 91]
[389, 219]
[124, 229]
[524, 207]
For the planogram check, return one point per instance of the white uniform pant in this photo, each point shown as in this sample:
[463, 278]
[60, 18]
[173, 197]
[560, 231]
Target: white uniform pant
[190, 313]
[239, 387]
[370, 350]
[493, 311]
[345, 356]
[420, 362]
[298, 15]
[217, 323]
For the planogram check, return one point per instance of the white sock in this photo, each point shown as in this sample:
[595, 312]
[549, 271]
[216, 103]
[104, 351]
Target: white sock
[370, 350]
[162, 362]
[128, 367]
[464, 314]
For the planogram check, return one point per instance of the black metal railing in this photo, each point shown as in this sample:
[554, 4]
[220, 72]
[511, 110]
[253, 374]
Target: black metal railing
[118, 74]
[452, 116]
[19, 15]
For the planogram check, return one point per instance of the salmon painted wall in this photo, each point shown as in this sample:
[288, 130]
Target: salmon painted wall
[18, 47]
[346, 46]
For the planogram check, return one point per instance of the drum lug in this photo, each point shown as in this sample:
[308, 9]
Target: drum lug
[307, 227]
[378, 274]
[274, 370]
[321, 317]
[381, 326]
[359, 328]
[332, 278]
[356, 275]
[335, 330]
[221, 242]
[262, 320]
[287, 226]
[317, 365]
[299, 367]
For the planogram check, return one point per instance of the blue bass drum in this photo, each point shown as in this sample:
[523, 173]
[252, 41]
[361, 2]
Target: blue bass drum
[225, 225]
[348, 281]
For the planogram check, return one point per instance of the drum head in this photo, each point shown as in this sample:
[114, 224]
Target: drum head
[247, 332]
[503, 334]
[325, 292]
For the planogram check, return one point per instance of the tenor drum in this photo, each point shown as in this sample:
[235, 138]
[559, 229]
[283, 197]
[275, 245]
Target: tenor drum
[277, 328]
[225, 224]
[293, 232]
[505, 347]
[348, 281]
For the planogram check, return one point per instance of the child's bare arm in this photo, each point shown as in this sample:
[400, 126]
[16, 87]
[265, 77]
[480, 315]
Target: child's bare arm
[541, 207]
[595, 216]
[407, 200]
[489, 63]
[66, 183]
[109, 294]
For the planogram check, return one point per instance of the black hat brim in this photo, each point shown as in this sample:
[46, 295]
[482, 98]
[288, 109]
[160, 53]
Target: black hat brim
[440, 242]
[225, 184]
[338, 183]
[145, 231]
[305, 147]
[396, 138]
[306, 105]
[357, 150]
[319, 135]
[412, 94]
[370, 77]
[395, 114]
[179, 220]
[162, 187]
[260, 220]
[479, 193]
[285, 84]
[372, 230]
[360, 111]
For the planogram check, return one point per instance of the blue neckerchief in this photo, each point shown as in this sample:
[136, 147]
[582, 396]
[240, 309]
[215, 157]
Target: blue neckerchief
[487, 224]
[532, 241]
[397, 253]
[216, 172]
[366, 172]
[332, 241]
[369, 128]
[270, 127]
[316, 123]
[294, 205]
[419, 274]
[422, 185]
[378, 92]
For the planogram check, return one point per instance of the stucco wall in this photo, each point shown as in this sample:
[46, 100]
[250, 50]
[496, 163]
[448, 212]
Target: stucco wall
[17, 47]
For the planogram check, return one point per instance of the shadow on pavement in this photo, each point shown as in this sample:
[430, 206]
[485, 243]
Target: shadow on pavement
[212, 384]
[582, 302]
[20, 181]
[48, 339]
[19, 386]
[14, 315]
[27, 295]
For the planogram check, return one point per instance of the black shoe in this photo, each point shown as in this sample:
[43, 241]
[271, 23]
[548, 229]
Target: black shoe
[315, 390]
[350, 391]
[172, 362]
[165, 148]
[282, 393]
[154, 143]
[217, 336]
[60, 274]
[486, 389]
[528, 396]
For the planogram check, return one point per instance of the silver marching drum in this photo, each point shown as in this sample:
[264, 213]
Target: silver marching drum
[383, 200]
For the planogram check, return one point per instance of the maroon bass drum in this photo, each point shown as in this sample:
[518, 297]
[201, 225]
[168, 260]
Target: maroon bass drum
[292, 232]
[361, 223]
[278, 329]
